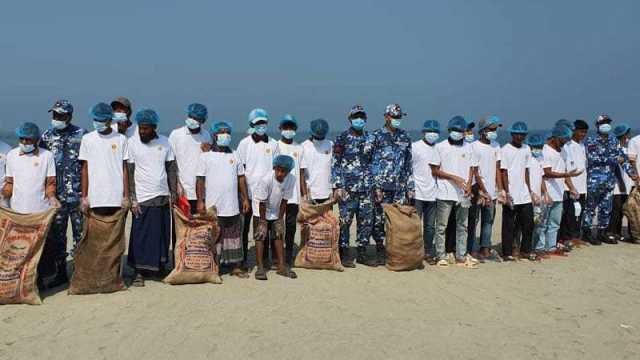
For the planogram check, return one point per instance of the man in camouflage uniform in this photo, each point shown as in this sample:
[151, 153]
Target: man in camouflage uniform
[63, 140]
[391, 170]
[603, 156]
[352, 185]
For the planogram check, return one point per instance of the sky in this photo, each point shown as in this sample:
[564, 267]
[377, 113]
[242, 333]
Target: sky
[533, 61]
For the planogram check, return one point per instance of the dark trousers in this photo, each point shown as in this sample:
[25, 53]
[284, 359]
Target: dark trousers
[450, 234]
[514, 220]
[571, 225]
[54, 253]
[615, 224]
[246, 225]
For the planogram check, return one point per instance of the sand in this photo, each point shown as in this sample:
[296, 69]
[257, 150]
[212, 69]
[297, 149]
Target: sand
[581, 307]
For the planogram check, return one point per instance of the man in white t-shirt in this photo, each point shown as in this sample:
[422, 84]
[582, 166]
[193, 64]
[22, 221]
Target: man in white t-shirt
[4, 150]
[634, 152]
[152, 185]
[122, 111]
[256, 152]
[187, 143]
[555, 177]
[576, 160]
[486, 188]
[315, 163]
[623, 186]
[221, 183]
[423, 153]
[454, 167]
[270, 196]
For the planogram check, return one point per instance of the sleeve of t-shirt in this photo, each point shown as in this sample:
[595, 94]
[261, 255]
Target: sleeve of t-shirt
[547, 161]
[172, 141]
[303, 161]
[475, 156]
[634, 148]
[242, 152]
[130, 154]
[170, 155]
[434, 159]
[83, 155]
[240, 167]
[201, 168]
[125, 153]
[8, 168]
[261, 192]
[51, 166]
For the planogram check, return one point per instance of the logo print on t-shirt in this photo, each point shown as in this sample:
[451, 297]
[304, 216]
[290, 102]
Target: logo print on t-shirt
[114, 147]
[35, 164]
[268, 151]
[159, 148]
[231, 161]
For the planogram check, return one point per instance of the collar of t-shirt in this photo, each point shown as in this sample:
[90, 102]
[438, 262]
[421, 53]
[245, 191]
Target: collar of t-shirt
[257, 138]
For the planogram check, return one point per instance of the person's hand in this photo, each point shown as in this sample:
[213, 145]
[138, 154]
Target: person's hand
[246, 206]
[502, 197]
[460, 183]
[378, 196]
[201, 208]
[54, 202]
[278, 228]
[575, 172]
[339, 194]
[411, 195]
[179, 190]
[126, 203]
[84, 205]
[574, 195]
[535, 198]
[205, 147]
[135, 209]
[261, 231]
[547, 199]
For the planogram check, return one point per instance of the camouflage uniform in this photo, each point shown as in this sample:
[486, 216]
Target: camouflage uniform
[65, 146]
[603, 156]
[391, 170]
[350, 171]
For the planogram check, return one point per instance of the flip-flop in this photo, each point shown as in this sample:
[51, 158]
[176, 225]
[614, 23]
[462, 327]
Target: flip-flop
[237, 272]
[467, 264]
[288, 273]
[442, 263]
[509, 258]
[260, 274]
[138, 281]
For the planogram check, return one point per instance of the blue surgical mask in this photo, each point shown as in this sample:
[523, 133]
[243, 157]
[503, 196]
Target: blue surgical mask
[58, 124]
[288, 134]
[192, 123]
[119, 117]
[395, 123]
[537, 153]
[358, 123]
[456, 135]
[492, 135]
[469, 138]
[100, 126]
[27, 148]
[223, 139]
[431, 137]
[604, 128]
[260, 130]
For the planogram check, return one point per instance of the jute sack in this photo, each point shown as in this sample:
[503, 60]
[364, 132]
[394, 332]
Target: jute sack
[319, 234]
[22, 238]
[99, 253]
[405, 250]
[631, 210]
[195, 249]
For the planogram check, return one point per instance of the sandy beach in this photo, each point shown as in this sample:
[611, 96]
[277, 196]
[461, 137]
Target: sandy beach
[581, 307]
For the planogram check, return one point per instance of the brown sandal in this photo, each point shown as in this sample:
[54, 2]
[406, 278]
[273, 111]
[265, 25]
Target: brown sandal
[237, 272]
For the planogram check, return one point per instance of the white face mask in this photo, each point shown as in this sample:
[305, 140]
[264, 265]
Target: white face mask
[27, 148]
[604, 128]
[469, 138]
[58, 124]
[288, 134]
[119, 117]
[192, 123]
[260, 130]
[492, 135]
[431, 137]
[223, 139]
[456, 135]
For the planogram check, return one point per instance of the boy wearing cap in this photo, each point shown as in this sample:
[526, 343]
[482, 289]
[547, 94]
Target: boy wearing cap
[122, 111]
[63, 141]
[352, 185]
[315, 163]
[221, 183]
[152, 184]
[187, 143]
[603, 157]
[256, 153]
[270, 196]
[517, 208]
[423, 152]
[623, 186]
[454, 167]
[391, 169]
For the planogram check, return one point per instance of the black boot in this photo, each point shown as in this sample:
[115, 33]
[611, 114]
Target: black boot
[345, 259]
[381, 255]
[586, 236]
[61, 277]
[363, 259]
[607, 237]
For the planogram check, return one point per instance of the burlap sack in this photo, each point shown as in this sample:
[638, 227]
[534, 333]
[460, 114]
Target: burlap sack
[22, 238]
[195, 249]
[98, 256]
[319, 233]
[405, 249]
[631, 210]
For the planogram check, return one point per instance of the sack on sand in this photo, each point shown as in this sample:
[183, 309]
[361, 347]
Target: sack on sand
[319, 234]
[99, 253]
[22, 238]
[195, 249]
[402, 225]
[631, 210]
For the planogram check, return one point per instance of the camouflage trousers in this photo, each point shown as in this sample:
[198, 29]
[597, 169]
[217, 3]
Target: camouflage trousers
[359, 205]
[54, 253]
[388, 197]
[600, 198]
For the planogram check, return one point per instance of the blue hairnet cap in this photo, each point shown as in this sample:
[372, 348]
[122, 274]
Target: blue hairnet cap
[283, 161]
[257, 115]
[197, 112]
[519, 127]
[431, 126]
[101, 112]
[457, 123]
[536, 140]
[147, 116]
[319, 128]
[28, 130]
[220, 125]
[566, 123]
[621, 130]
[489, 121]
[288, 119]
[561, 132]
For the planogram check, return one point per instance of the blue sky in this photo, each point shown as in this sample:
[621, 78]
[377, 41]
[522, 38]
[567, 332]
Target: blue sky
[535, 61]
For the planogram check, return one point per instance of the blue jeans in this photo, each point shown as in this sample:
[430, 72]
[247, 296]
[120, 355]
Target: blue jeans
[443, 210]
[427, 211]
[486, 214]
[548, 232]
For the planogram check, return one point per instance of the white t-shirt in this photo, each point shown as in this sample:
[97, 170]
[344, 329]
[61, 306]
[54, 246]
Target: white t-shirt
[423, 154]
[634, 151]
[187, 149]
[131, 131]
[536, 174]
[516, 161]
[628, 183]
[150, 159]
[488, 155]
[555, 160]
[316, 159]
[273, 192]
[455, 160]
[221, 171]
[105, 156]
[4, 150]
[295, 151]
[576, 158]
[257, 158]
[30, 173]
